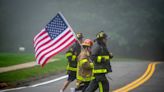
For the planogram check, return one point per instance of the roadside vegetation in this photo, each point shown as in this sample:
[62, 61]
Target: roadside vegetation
[8, 59]
[30, 73]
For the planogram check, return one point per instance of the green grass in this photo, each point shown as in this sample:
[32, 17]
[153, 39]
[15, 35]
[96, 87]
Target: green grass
[8, 59]
[37, 71]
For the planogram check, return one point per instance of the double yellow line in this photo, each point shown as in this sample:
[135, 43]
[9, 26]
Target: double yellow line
[146, 76]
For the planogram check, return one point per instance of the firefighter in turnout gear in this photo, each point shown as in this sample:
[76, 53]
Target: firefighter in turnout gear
[101, 58]
[84, 66]
[71, 56]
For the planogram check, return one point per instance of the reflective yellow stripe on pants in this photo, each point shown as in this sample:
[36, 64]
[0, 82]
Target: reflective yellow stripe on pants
[100, 87]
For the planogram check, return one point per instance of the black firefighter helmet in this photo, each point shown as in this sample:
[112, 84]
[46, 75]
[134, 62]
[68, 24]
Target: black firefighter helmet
[79, 35]
[101, 35]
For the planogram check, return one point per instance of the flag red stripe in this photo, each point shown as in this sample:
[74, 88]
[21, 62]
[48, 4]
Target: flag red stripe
[54, 48]
[53, 43]
[41, 40]
[37, 36]
[43, 44]
[57, 52]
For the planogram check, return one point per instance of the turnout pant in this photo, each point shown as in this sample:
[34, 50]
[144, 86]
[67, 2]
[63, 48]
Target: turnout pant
[100, 82]
[82, 86]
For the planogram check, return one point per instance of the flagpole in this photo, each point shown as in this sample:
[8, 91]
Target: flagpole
[73, 32]
[71, 29]
[77, 38]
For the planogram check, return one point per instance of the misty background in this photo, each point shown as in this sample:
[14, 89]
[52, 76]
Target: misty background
[136, 27]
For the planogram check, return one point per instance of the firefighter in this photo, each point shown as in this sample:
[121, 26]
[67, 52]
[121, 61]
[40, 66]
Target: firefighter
[101, 59]
[84, 66]
[71, 56]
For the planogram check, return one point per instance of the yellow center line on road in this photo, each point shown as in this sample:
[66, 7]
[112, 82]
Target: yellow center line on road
[136, 81]
[144, 80]
[148, 73]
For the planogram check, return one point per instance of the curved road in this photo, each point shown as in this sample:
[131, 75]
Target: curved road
[124, 72]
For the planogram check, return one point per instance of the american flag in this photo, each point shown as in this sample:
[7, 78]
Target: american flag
[56, 36]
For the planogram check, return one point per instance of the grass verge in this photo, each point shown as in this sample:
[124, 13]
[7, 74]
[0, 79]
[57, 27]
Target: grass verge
[34, 72]
[8, 59]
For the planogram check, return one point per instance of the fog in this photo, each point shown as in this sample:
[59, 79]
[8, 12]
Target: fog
[136, 27]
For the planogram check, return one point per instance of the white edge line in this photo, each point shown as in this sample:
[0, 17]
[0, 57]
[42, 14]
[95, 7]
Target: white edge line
[50, 81]
[39, 84]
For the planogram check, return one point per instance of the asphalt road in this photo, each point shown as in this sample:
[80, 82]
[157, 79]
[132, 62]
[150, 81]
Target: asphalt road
[156, 83]
[123, 73]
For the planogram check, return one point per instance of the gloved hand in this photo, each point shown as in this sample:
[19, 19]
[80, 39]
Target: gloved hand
[110, 55]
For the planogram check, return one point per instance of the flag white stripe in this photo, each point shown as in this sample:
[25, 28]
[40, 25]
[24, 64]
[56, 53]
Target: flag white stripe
[50, 43]
[56, 50]
[39, 34]
[42, 42]
[52, 47]
[40, 38]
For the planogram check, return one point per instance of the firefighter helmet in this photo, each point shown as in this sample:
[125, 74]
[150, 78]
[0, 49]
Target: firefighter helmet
[87, 42]
[101, 35]
[79, 35]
